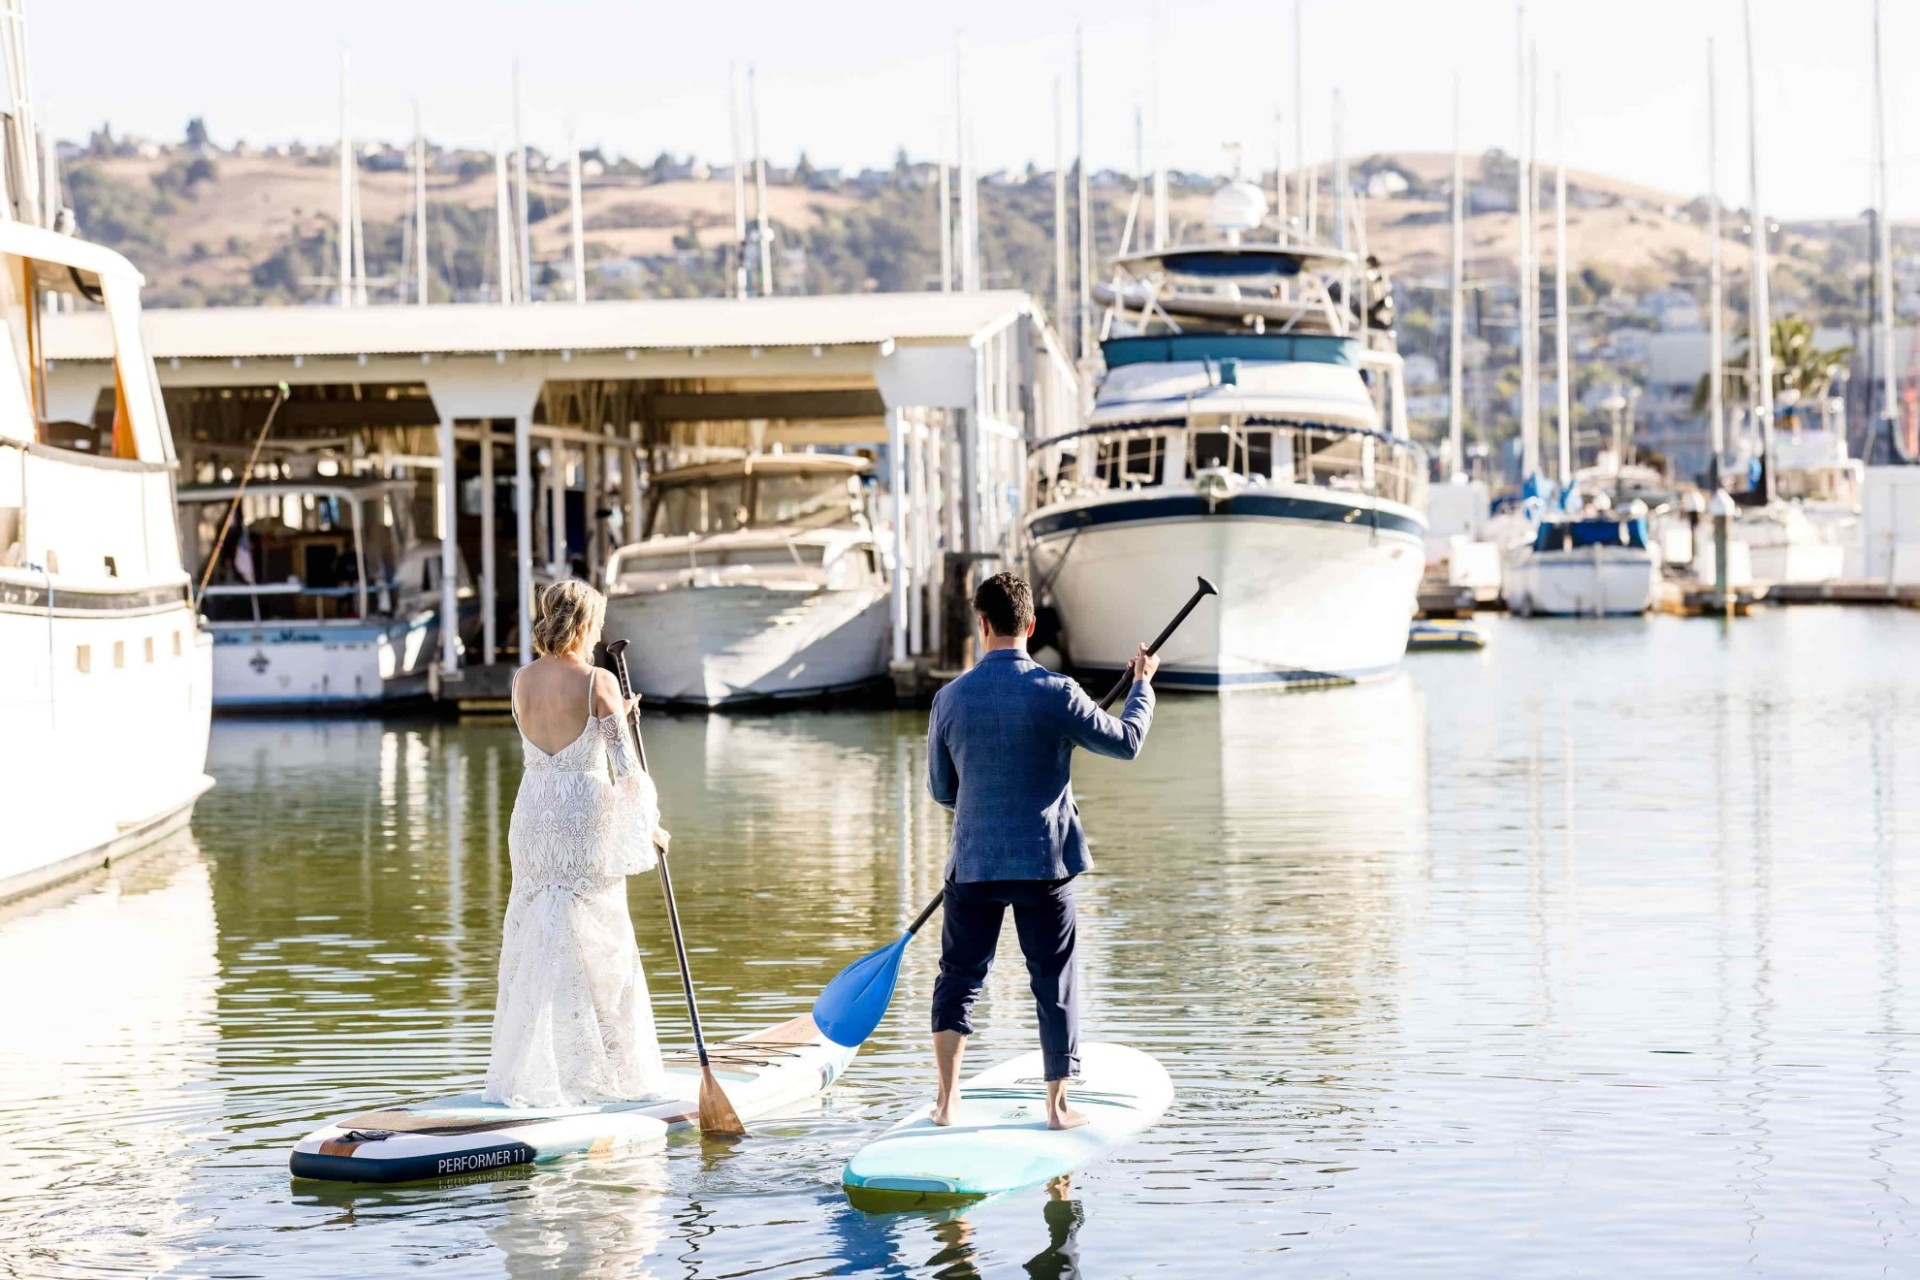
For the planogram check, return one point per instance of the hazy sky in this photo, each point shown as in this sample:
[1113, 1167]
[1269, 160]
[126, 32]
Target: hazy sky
[851, 80]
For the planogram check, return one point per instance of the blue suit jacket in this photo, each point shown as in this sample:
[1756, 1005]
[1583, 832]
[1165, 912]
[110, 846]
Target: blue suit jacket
[999, 748]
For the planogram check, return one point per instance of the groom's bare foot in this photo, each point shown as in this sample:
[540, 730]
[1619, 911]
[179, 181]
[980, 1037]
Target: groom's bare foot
[1064, 1117]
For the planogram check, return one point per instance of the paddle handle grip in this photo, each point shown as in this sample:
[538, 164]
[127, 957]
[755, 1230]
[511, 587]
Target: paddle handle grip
[1200, 592]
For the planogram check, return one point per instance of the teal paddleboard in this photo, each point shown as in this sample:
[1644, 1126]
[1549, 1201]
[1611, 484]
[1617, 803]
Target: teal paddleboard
[1000, 1141]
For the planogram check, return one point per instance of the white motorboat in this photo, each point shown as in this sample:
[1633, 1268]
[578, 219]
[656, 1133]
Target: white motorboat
[759, 578]
[104, 706]
[1593, 566]
[323, 596]
[1249, 427]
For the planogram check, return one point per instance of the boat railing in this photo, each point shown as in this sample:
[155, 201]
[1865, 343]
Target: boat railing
[1132, 456]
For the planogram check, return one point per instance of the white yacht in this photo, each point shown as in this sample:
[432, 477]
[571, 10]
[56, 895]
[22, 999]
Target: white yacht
[104, 702]
[1806, 533]
[1597, 565]
[757, 578]
[1250, 427]
[323, 596]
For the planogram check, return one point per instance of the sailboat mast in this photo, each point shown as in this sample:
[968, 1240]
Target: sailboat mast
[1279, 180]
[1884, 339]
[1162, 223]
[525, 289]
[1523, 294]
[1085, 318]
[503, 221]
[1059, 209]
[1340, 184]
[346, 195]
[1761, 339]
[579, 220]
[1456, 365]
[419, 208]
[1716, 339]
[759, 187]
[739, 184]
[1561, 326]
[1302, 182]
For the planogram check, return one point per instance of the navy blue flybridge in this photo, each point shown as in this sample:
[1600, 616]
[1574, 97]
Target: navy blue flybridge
[1250, 424]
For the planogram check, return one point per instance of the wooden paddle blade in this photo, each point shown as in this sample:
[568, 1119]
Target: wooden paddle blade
[717, 1116]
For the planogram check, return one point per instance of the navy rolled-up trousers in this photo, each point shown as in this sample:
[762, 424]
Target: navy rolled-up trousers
[1043, 917]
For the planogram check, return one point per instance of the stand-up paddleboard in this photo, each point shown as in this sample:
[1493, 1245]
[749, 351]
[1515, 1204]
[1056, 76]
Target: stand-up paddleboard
[445, 1137]
[1000, 1141]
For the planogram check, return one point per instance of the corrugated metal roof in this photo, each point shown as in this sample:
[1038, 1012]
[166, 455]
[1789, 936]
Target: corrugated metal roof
[267, 332]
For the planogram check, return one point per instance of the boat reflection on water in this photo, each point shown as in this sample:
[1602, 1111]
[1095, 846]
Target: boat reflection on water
[98, 1160]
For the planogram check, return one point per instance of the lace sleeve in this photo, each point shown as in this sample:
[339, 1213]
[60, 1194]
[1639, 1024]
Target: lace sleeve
[636, 804]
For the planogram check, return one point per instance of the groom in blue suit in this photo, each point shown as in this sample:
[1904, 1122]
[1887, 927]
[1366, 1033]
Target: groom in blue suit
[999, 752]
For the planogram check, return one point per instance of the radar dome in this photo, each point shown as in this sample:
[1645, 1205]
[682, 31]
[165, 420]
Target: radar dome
[1238, 206]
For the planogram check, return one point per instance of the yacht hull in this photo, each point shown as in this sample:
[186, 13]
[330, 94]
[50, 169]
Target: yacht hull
[105, 710]
[321, 665]
[719, 645]
[1592, 581]
[1315, 588]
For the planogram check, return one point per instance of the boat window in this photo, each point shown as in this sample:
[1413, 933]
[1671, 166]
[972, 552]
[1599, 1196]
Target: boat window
[714, 507]
[1128, 461]
[1246, 453]
[811, 500]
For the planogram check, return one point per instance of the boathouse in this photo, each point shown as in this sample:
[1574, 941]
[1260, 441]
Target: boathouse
[532, 429]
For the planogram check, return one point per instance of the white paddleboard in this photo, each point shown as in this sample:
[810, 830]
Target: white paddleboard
[999, 1140]
[446, 1137]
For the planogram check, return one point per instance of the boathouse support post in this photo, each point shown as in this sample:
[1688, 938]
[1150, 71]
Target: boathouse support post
[523, 528]
[489, 578]
[448, 522]
[487, 393]
[897, 480]
[630, 484]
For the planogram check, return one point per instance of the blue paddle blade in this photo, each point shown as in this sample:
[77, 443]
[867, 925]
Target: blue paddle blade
[853, 1003]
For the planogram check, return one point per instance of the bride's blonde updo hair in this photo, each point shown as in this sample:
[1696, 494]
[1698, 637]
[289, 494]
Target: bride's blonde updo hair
[569, 618]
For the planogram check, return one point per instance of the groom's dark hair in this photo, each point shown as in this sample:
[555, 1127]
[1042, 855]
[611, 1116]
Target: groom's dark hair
[1006, 602]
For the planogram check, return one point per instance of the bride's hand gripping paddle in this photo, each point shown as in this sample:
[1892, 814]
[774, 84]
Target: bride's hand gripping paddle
[717, 1116]
[850, 1006]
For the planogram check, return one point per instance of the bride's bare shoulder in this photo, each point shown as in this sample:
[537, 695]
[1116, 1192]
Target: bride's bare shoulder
[606, 693]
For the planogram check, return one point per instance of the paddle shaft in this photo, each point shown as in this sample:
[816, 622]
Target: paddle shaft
[1200, 592]
[618, 652]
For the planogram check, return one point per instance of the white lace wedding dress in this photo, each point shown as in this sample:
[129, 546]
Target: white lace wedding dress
[573, 1024]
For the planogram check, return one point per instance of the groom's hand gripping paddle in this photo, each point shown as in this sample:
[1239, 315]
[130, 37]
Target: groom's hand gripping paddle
[851, 1006]
[717, 1115]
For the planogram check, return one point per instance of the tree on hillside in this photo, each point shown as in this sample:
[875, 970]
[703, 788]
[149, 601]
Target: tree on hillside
[197, 133]
[1798, 365]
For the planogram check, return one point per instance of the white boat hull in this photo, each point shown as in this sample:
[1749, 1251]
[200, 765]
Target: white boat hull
[1588, 582]
[104, 741]
[1309, 599]
[321, 664]
[714, 645]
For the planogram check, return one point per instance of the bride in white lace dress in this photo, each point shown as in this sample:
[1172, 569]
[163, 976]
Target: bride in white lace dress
[573, 1024]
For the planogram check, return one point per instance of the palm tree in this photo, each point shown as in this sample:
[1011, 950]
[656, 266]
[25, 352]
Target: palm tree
[1798, 366]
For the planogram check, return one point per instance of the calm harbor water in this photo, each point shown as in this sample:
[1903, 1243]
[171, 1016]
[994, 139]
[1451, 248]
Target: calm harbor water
[1594, 953]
